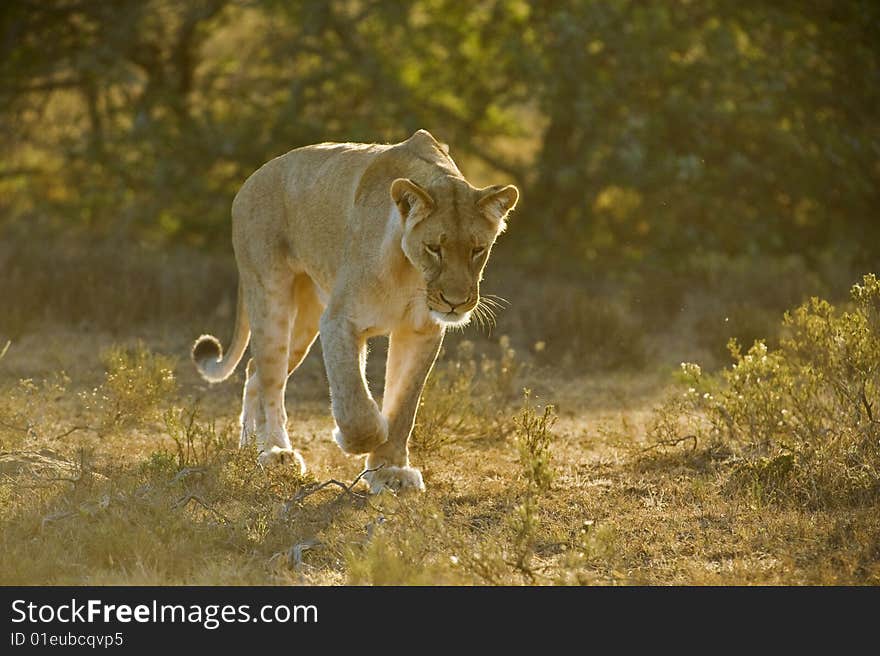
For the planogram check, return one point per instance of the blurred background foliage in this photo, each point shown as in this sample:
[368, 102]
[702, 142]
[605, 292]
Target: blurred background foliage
[671, 143]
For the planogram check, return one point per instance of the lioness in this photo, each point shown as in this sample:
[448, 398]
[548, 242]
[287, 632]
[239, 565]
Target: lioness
[350, 241]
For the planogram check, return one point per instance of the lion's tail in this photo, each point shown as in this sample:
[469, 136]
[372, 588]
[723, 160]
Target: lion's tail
[207, 352]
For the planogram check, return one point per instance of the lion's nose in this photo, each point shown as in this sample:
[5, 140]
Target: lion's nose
[453, 303]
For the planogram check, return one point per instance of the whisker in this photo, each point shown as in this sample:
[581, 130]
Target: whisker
[488, 308]
[493, 305]
[498, 300]
[485, 316]
[479, 317]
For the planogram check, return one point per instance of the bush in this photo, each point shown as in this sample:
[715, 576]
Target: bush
[29, 411]
[532, 438]
[466, 397]
[804, 417]
[197, 444]
[136, 384]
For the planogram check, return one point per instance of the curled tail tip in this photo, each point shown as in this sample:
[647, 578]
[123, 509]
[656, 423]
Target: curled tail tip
[206, 351]
[207, 348]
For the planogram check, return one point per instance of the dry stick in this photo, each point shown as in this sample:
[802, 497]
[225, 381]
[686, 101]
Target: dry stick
[195, 497]
[72, 430]
[346, 489]
[672, 442]
[188, 471]
[29, 429]
[48, 519]
[868, 405]
[79, 476]
[82, 469]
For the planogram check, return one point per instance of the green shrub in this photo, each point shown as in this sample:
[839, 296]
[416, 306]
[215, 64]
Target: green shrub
[29, 410]
[804, 417]
[136, 383]
[467, 397]
[197, 444]
[532, 438]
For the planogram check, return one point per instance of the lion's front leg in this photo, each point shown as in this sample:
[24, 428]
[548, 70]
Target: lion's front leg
[360, 426]
[410, 358]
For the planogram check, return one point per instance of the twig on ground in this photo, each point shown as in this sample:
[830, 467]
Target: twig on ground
[868, 405]
[672, 442]
[310, 489]
[71, 430]
[184, 501]
[187, 472]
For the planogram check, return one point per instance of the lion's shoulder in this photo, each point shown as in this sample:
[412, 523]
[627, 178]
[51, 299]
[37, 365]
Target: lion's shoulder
[421, 158]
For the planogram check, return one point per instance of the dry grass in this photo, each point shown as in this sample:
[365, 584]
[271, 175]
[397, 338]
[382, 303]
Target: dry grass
[161, 496]
[119, 465]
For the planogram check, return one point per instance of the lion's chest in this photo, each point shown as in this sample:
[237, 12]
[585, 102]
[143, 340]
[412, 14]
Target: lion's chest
[383, 311]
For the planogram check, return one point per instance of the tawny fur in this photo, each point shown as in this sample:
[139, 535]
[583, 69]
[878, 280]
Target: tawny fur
[352, 241]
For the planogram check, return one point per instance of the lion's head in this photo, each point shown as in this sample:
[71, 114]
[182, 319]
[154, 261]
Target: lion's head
[448, 231]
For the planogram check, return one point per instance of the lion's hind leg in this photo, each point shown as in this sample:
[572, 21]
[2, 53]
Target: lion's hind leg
[252, 419]
[307, 316]
[270, 307]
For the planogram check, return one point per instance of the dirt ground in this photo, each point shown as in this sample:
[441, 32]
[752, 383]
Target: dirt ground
[164, 496]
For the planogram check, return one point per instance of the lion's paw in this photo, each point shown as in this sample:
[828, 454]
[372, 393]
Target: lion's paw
[278, 456]
[396, 479]
[365, 440]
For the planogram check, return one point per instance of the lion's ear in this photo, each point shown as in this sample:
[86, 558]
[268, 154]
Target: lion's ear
[496, 202]
[411, 199]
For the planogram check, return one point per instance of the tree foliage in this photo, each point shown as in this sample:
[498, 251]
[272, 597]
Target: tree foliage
[638, 131]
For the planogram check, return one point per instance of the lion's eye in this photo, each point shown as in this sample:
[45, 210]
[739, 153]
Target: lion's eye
[433, 249]
[479, 250]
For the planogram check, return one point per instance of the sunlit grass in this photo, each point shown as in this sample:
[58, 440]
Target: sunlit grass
[513, 497]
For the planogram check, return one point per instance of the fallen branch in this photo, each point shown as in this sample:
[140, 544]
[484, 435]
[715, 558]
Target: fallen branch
[184, 501]
[29, 429]
[71, 430]
[308, 490]
[868, 405]
[672, 442]
[187, 472]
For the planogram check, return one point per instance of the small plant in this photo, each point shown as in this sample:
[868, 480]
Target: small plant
[136, 383]
[532, 438]
[468, 397]
[197, 444]
[26, 409]
[396, 552]
[447, 403]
